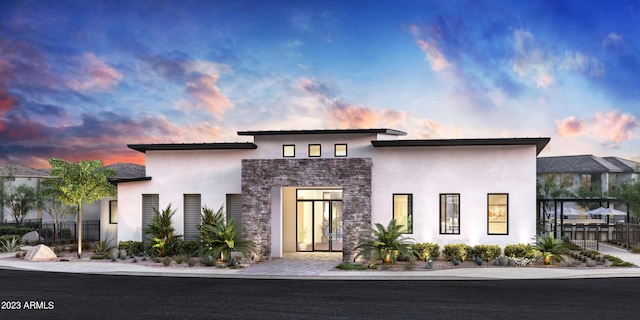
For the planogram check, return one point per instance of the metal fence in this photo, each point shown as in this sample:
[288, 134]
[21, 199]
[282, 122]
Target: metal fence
[65, 232]
[586, 236]
[627, 234]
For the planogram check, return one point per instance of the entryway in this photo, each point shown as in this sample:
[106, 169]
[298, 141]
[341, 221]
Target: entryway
[319, 220]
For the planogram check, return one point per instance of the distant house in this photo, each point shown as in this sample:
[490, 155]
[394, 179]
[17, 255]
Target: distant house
[107, 208]
[317, 190]
[14, 175]
[573, 172]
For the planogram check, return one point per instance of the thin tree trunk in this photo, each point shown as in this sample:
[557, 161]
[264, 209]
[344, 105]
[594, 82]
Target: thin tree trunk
[79, 230]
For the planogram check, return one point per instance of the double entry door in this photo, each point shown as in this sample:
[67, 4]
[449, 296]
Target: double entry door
[319, 225]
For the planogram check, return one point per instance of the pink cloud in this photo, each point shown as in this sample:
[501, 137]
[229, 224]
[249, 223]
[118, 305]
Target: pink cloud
[428, 129]
[6, 103]
[95, 74]
[433, 54]
[613, 127]
[570, 127]
[205, 91]
[352, 116]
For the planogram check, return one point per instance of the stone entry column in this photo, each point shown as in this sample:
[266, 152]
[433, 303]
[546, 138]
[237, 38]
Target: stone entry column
[260, 175]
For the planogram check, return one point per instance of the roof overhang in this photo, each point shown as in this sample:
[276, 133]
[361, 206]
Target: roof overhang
[540, 143]
[193, 146]
[125, 180]
[323, 131]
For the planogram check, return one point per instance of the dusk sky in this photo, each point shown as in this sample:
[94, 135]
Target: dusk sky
[82, 79]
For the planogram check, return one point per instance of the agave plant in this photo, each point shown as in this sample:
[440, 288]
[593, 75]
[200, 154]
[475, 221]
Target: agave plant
[224, 237]
[551, 248]
[10, 245]
[385, 243]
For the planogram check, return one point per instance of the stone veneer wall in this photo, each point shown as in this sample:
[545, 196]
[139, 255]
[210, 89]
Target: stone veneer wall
[260, 175]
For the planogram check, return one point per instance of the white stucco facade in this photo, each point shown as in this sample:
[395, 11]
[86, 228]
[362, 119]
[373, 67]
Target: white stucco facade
[425, 169]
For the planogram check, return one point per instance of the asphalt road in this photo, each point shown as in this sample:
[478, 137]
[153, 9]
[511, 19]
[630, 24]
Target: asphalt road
[40, 295]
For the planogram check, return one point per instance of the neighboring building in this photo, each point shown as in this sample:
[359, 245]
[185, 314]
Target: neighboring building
[12, 176]
[317, 190]
[573, 172]
[107, 208]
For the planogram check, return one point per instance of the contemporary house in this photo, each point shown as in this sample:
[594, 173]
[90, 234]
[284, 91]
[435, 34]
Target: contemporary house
[318, 190]
[587, 171]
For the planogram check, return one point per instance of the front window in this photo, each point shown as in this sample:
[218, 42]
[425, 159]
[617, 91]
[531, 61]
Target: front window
[450, 213]
[340, 150]
[314, 150]
[113, 211]
[403, 211]
[289, 151]
[498, 213]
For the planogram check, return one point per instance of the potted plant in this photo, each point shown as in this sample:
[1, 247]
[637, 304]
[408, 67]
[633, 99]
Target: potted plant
[552, 250]
[302, 234]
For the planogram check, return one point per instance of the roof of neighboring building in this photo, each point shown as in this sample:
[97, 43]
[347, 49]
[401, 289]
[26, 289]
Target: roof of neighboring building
[126, 170]
[585, 164]
[17, 170]
[322, 131]
[193, 146]
[540, 143]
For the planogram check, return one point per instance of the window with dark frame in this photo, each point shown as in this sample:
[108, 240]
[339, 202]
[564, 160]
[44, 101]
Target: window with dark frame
[314, 150]
[113, 212]
[498, 213]
[340, 150]
[289, 151]
[403, 211]
[450, 213]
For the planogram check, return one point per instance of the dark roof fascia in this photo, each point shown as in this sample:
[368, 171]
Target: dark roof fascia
[322, 131]
[193, 146]
[540, 143]
[124, 180]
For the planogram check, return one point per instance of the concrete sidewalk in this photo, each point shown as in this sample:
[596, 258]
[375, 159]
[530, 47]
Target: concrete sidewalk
[323, 268]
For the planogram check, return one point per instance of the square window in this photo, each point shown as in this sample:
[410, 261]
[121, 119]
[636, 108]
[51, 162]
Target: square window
[340, 150]
[403, 211]
[289, 151]
[314, 150]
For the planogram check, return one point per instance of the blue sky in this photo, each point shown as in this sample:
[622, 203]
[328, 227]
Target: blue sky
[82, 79]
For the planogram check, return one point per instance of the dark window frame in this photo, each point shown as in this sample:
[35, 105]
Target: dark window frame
[284, 147]
[409, 228]
[319, 150]
[335, 150]
[111, 213]
[455, 229]
[507, 210]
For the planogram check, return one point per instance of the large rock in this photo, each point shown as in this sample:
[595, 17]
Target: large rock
[41, 253]
[31, 238]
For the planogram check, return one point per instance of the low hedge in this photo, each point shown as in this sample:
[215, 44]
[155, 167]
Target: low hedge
[15, 230]
[426, 250]
[486, 252]
[520, 250]
[131, 247]
[460, 251]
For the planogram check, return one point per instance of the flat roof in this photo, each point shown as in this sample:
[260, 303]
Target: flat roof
[322, 131]
[540, 143]
[193, 146]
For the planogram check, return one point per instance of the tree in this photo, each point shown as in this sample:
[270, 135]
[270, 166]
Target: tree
[80, 182]
[629, 192]
[53, 206]
[20, 200]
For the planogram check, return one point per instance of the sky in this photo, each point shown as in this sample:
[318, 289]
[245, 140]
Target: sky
[82, 79]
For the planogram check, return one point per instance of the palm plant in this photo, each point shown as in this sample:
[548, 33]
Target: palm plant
[385, 243]
[224, 238]
[162, 231]
[10, 245]
[551, 248]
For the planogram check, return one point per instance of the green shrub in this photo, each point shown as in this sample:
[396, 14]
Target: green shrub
[426, 250]
[14, 230]
[486, 252]
[10, 237]
[635, 249]
[519, 250]
[132, 247]
[617, 262]
[456, 252]
[10, 245]
[350, 266]
[209, 260]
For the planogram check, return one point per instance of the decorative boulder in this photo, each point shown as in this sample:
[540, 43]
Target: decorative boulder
[40, 253]
[31, 238]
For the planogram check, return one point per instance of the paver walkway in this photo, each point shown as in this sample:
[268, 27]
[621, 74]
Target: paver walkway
[296, 264]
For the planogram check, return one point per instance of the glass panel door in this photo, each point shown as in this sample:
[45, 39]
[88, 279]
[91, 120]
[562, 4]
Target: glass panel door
[336, 226]
[321, 216]
[305, 226]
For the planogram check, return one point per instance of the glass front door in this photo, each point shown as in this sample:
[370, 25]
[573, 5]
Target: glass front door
[319, 222]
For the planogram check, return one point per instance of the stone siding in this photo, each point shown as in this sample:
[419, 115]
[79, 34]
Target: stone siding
[260, 175]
